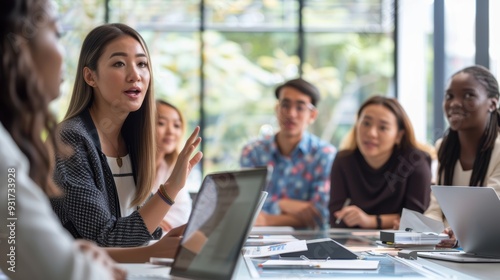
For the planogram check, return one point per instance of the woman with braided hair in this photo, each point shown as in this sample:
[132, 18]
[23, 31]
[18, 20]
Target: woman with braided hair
[469, 152]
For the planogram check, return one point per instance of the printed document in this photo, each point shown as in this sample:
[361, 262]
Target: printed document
[271, 250]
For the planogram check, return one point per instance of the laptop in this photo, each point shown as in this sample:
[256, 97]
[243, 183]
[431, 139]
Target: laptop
[223, 213]
[260, 204]
[472, 213]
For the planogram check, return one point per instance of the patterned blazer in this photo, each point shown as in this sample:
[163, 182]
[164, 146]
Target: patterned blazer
[90, 208]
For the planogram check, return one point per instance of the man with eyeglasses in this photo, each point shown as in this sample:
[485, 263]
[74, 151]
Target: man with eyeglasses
[300, 183]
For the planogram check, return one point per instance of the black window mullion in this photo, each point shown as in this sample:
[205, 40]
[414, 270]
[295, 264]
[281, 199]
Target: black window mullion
[395, 38]
[300, 34]
[439, 68]
[106, 11]
[482, 33]
[202, 82]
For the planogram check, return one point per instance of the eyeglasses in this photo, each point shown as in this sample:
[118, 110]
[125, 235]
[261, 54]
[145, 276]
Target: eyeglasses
[300, 107]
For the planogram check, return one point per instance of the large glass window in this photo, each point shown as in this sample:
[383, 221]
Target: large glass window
[249, 47]
[415, 66]
[460, 16]
[241, 72]
[77, 19]
[220, 66]
[349, 51]
[343, 67]
[165, 15]
[251, 14]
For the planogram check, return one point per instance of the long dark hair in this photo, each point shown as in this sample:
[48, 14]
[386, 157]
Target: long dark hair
[23, 101]
[139, 126]
[449, 151]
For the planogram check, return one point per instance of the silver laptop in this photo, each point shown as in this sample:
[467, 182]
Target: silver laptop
[260, 204]
[223, 214]
[473, 214]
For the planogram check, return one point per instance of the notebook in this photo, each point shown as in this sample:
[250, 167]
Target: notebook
[472, 213]
[223, 214]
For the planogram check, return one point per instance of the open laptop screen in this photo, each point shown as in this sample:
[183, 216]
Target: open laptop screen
[218, 225]
[473, 215]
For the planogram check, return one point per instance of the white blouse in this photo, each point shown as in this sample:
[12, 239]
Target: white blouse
[124, 181]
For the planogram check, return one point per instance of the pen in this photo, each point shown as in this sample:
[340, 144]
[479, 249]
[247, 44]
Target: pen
[346, 203]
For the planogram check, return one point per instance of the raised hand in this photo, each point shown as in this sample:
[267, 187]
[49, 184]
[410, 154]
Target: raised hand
[185, 162]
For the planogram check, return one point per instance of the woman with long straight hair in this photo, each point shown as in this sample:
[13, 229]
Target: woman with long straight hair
[106, 166]
[380, 169]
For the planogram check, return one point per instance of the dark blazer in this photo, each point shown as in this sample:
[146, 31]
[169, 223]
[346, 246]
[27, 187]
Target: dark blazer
[90, 207]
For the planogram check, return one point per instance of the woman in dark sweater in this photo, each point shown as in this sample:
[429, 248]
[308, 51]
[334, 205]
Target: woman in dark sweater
[380, 169]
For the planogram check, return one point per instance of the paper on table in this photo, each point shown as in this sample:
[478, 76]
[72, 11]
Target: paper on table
[262, 229]
[271, 250]
[418, 222]
[328, 264]
[268, 239]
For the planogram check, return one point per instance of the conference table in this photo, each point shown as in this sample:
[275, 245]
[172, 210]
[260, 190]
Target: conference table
[362, 242]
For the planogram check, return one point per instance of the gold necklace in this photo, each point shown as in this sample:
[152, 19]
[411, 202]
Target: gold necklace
[118, 159]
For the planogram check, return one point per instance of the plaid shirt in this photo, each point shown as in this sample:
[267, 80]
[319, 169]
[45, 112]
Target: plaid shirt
[305, 175]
